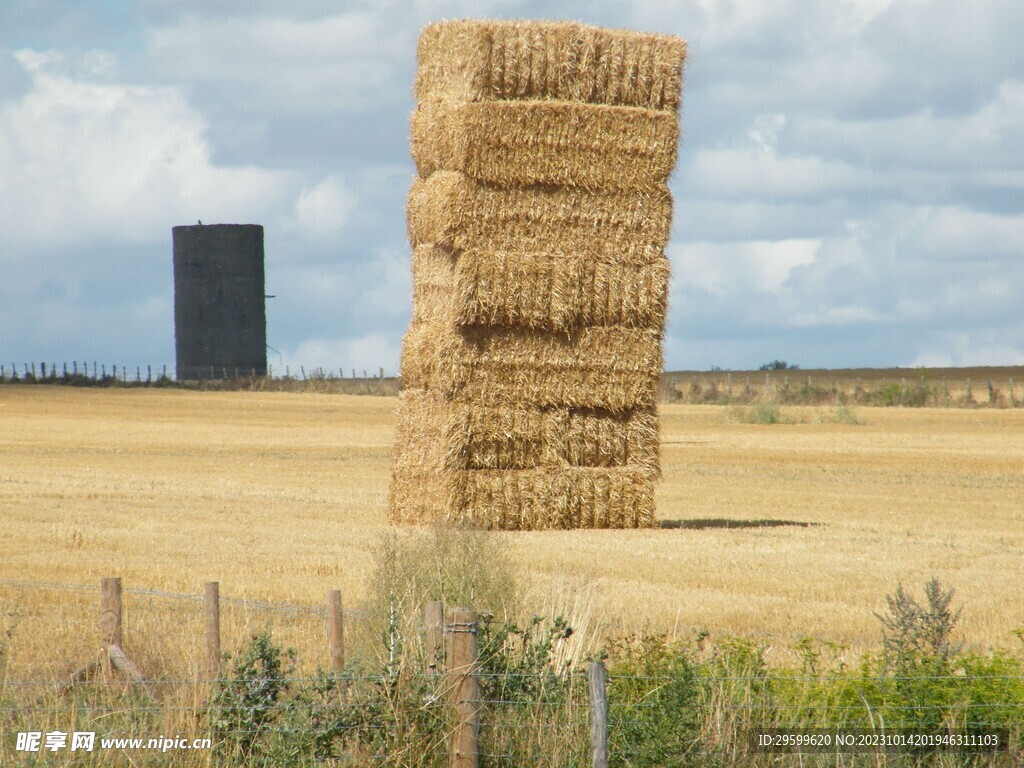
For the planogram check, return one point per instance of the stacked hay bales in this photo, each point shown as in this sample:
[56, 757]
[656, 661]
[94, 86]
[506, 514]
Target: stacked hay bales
[538, 225]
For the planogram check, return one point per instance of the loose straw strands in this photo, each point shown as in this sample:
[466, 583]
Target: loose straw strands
[610, 368]
[521, 143]
[546, 290]
[450, 210]
[454, 435]
[496, 60]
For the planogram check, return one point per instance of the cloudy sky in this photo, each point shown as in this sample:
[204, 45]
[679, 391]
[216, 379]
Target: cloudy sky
[850, 190]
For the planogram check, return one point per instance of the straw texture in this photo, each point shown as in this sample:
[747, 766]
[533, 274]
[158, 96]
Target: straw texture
[611, 368]
[449, 209]
[453, 435]
[494, 60]
[525, 500]
[538, 222]
[516, 143]
[549, 290]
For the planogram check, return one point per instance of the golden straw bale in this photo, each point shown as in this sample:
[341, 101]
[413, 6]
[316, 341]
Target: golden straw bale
[514, 143]
[489, 60]
[449, 209]
[441, 434]
[549, 290]
[457, 435]
[590, 438]
[530, 499]
[608, 367]
[433, 283]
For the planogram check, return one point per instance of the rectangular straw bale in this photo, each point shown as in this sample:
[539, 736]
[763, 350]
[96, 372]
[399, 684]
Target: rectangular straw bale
[588, 438]
[532, 499]
[515, 143]
[440, 434]
[548, 290]
[456, 435]
[608, 367]
[433, 283]
[449, 209]
[491, 60]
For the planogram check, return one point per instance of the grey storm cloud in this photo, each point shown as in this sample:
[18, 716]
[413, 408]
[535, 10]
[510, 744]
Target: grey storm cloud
[850, 189]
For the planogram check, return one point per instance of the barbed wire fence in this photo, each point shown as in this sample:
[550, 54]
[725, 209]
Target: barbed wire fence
[451, 708]
[95, 372]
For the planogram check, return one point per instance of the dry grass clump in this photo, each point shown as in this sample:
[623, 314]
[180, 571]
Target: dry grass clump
[540, 283]
[499, 60]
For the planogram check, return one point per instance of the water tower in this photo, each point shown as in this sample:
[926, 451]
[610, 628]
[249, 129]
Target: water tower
[220, 319]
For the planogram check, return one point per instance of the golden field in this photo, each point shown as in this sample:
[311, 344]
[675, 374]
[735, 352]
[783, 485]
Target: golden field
[774, 531]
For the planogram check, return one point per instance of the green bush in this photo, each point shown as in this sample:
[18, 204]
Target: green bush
[894, 394]
[653, 714]
[243, 709]
[759, 413]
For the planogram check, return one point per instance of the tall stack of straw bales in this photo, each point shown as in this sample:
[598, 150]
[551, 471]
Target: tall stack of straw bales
[538, 224]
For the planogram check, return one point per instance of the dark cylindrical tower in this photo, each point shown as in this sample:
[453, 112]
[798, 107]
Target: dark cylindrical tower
[220, 319]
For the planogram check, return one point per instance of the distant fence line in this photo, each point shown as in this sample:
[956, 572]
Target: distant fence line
[97, 372]
[243, 602]
[840, 389]
[793, 387]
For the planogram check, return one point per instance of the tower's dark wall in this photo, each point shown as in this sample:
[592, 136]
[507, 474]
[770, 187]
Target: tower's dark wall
[220, 319]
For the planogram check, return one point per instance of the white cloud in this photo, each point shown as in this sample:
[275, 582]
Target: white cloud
[765, 132]
[93, 161]
[735, 268]
[972, 348]
[984, 140]
[320, 287]
[850, 172]
[956, 233]
[364, 353]
[279, 63]
[832, 317]
[750, 174]
[322, 210]
[392, 295]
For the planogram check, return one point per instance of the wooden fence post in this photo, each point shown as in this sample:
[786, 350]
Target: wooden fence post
[433, 615]
[111, 626]
[463, 688]
[598, 714]
[336, 631]
[213, 629]
[110, 611]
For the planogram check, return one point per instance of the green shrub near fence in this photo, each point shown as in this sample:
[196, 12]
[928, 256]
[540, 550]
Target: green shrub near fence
[695, 702]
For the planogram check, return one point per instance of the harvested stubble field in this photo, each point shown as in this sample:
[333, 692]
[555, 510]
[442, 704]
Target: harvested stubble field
[775, 531]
